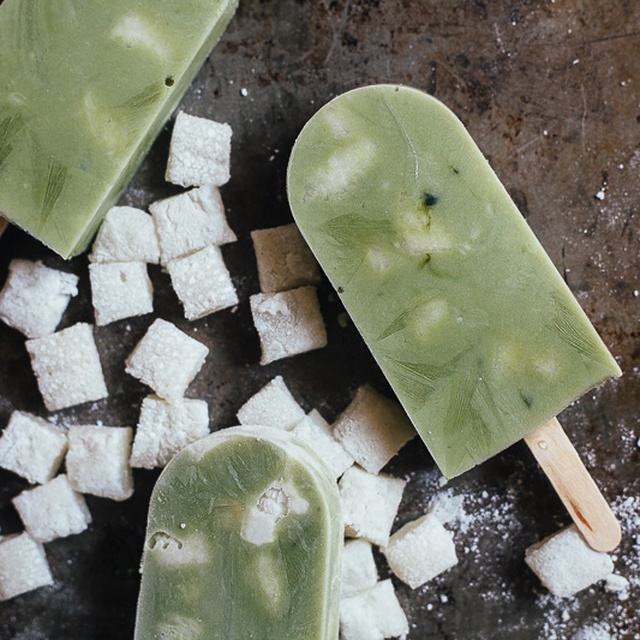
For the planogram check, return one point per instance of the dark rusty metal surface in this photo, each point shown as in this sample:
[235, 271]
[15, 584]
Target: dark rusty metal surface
[551, 92]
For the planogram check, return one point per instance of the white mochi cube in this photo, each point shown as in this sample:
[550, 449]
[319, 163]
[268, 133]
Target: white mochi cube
[120, 290]
[23, 566]
[373, 614]
[32, 447]
[126, 234]
[420, 550]
[190, 221]
[67, 367]
[288, 323]
[316, 432]
[166, 359]
[164, 428]
[373, 429]
[369, 504]
[35, 297]
[359, 570]
[202, 282]
[284, 259]
[272, 406]
[199, 152]
[566, 564]
[98, 461]
[52, 510]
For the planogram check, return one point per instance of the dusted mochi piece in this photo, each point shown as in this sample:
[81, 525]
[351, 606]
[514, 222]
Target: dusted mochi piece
[23, 566]
[272, 406]
[126, 234]
[359, 570]
[202, 282]
[120, 290]
[284, 259]
[373, 429]
[373, 614]
[166, 359]
[34, 297]
[288, 323]
[252, 510]
[420, 550]
[566, 564]
[164, 428]
[190, 221]
[67, 367]
[98, 461]
[369, 504]
[316, 432]
[52, 510]
[32, 447]
[199, 152]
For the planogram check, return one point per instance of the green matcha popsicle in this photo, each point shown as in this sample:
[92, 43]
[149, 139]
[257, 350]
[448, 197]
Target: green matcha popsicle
[244, 540]
[85, 87]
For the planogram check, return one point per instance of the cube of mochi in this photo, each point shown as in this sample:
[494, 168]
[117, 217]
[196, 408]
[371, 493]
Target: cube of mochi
[98, 461]
[164, 428]
[373, 429]
[190, 221]
[34, 297]
[127, 234]
[32, 447]
[52, 510]
[272, 406]
[23, 566]
[420, 550]
[369, 504]
[284, 259]
[166, 359]
[202, 282]
[288, 323]
[199, 152]
[67, 367]
[373, 614]
[566, 564]
[120, 290]
[359, 570]
[316, 431]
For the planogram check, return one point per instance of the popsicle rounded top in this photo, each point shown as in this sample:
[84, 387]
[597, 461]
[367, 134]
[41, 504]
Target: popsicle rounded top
[468, 318]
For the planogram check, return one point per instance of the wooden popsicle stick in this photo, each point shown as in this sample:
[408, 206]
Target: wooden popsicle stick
[575, 486]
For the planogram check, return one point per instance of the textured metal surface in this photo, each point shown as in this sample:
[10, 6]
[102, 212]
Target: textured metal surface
[550, 91]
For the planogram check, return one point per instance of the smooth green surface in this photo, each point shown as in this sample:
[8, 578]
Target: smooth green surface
[204, 578]
[463, 310]
[85, 87]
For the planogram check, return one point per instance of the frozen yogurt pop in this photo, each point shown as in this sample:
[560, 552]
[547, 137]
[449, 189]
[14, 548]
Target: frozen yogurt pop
[244, 540]
[466, 315]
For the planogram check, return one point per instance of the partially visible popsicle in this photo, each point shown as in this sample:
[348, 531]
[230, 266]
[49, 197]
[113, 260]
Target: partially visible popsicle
[478, 334]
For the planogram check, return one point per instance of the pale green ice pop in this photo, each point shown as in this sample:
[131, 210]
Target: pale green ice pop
[244, 540]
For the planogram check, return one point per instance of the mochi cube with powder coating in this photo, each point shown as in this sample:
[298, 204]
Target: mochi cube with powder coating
[127, 234]
[199, 152]
[202, 282]
[120, 290]
[67, 367]
[420, 550]
[166, 359]
[32, 447]
[98, 461]
[373, 429]
[288, 323]
[164, 428]
[359, 569]
[272, 406]
[35, 297]
[23, 566]
[52, 510]
[566, 564]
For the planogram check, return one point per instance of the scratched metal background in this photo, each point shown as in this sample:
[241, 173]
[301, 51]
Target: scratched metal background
[550, 91]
